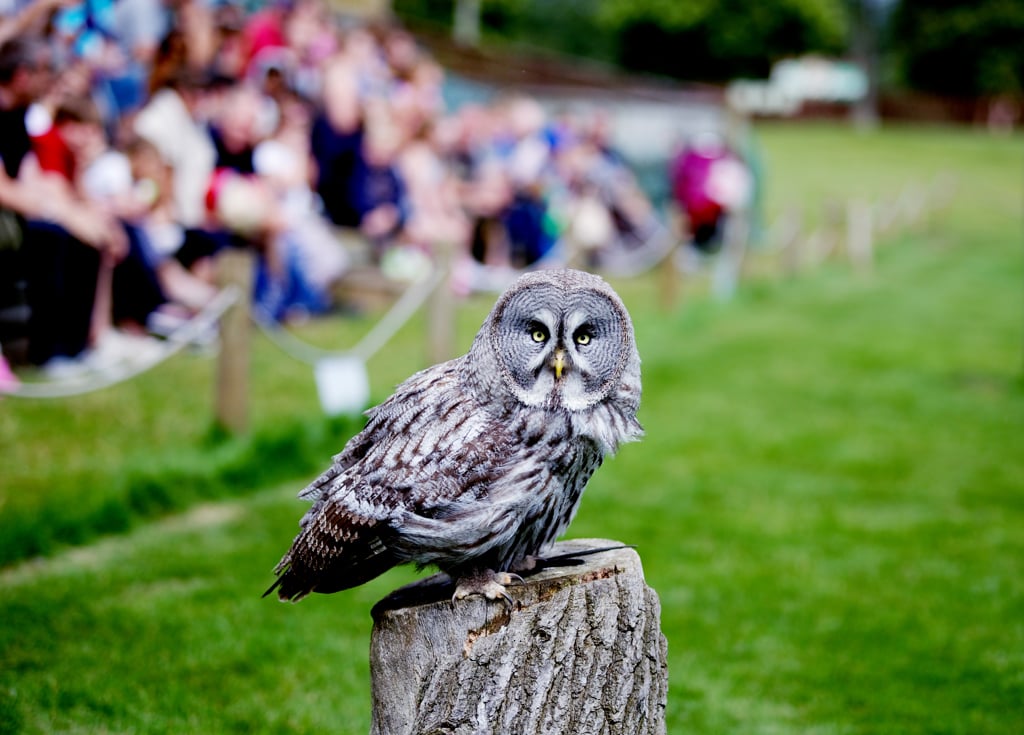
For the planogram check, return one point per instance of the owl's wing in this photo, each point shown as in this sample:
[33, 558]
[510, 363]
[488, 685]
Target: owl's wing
[344, 543]
[354, 450]
[427, 453]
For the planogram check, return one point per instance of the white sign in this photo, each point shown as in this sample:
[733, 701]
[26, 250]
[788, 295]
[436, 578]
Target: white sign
[342, 384]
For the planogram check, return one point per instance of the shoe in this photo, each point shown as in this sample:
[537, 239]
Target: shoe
[65, 368]
[8, 380]
[118, 349]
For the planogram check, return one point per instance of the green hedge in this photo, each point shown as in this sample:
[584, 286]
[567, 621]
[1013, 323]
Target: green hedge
[169, 482]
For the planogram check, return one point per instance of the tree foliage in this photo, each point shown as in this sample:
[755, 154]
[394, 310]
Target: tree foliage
[954, 47]
[722, 39]
[700, 40]
[962, 47]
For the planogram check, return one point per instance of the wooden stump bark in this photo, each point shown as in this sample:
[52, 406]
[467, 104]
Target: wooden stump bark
[580, 652]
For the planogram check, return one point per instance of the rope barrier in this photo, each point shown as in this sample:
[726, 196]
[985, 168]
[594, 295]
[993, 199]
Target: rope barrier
[119, 373]
[630, 263]
[401, 311]
[659, 245]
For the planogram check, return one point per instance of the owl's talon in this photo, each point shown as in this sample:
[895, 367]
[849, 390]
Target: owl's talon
[489, 584]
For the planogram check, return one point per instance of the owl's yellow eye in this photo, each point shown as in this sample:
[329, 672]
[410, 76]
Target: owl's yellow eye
[539, 335]
[583, 338]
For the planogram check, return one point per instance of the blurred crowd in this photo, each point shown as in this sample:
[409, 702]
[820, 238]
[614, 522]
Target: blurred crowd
[141, 137]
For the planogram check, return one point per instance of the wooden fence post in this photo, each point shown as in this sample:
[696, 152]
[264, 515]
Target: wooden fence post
[441, 314]
[791, 255]
[234, 268]
[581, 653]
[832, 219]
[860, 235]
[670, 280]
[728, 268]
[783, 235]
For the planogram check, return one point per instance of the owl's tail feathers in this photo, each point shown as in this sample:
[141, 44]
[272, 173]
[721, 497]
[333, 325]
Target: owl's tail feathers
[296, 578]
[571, 558]
[290, 588]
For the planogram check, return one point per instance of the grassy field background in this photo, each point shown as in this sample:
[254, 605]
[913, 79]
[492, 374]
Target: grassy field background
[829, 500]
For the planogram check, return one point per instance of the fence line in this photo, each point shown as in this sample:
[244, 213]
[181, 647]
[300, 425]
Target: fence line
[180, 338]
[855, 226]
[849, 228]
[379, 335]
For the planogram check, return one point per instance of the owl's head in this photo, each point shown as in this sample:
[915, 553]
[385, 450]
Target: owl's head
[561, 338]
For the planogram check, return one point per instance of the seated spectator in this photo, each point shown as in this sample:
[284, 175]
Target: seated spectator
[197, 21]
[171, 121]
[337, 139]
[261, 194]
[229, 58]
[519, 234]
[63, 241]
[51, 151]
[376, 191]
[174, 122]
[709, 182]
[484, 189]
[107, 179]
[8, 380]
[243, 118]
[304, 260]
[130, 290]
[435, 216]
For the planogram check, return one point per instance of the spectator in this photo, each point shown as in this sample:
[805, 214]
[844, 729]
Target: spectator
[243, 118]
[221, 148]
[170, 120]
[197, 21]
[435, 216]
[63, 241]
[304, 260]
[25, 20]
[337, 140]
[54, 155]
[129, 290]
[376, 191]
[521, 232]
[8, 380]
[709, 182]
[107, 179]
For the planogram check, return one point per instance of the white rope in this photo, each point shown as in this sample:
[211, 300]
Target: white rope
[118, 373]
[401, 312]
[625, 263]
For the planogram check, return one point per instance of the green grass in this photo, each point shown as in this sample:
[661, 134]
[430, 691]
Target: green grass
[829, 500]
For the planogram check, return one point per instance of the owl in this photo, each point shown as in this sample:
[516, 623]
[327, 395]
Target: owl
[475, 465]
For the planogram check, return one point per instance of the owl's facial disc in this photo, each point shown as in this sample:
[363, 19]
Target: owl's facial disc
[567, 354]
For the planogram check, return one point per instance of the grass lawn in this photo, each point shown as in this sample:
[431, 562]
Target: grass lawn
[829, 500]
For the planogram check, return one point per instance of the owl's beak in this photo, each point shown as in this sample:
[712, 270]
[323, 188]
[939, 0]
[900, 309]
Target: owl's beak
[559, 363]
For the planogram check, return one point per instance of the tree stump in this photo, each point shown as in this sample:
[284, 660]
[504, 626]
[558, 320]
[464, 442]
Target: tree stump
[581, 652]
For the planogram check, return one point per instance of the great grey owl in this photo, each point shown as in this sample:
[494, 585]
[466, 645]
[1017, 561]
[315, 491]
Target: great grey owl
[476, 464]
